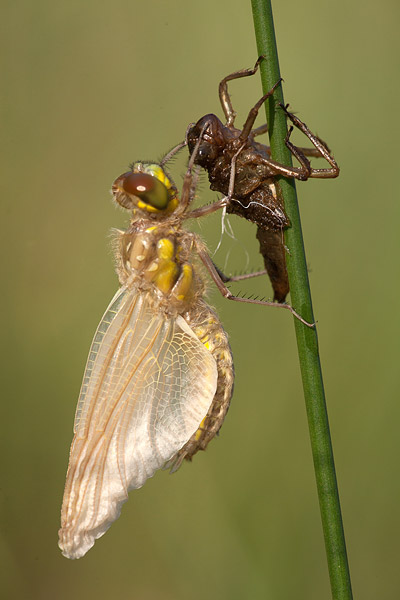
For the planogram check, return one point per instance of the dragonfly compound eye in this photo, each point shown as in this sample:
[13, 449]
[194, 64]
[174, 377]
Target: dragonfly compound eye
[148, 188]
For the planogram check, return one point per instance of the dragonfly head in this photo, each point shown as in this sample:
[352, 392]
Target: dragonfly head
[146, 189]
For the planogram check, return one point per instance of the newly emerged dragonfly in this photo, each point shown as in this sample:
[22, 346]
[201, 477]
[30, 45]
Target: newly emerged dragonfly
[242, 169]
[159, 375]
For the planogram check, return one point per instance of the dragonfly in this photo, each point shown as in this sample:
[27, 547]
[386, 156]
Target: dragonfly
[243, 170]
[159, 377]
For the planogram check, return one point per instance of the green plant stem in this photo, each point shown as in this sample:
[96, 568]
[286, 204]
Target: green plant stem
[307, 340]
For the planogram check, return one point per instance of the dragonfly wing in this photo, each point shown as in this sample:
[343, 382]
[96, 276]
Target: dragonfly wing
[148, 384]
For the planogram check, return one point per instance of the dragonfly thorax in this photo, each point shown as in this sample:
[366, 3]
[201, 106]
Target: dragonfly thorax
[158, 258]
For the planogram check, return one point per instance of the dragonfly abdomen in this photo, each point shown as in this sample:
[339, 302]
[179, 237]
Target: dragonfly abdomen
[206, 325]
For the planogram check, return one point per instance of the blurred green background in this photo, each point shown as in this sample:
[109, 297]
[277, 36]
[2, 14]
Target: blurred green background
[89, 87]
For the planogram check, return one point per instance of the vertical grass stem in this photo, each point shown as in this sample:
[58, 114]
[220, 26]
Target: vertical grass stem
[307, 340]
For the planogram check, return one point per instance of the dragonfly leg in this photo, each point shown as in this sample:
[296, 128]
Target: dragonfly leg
[251, 117]
[243, 276]
[172, 152]
[319, 145]
[208, 263]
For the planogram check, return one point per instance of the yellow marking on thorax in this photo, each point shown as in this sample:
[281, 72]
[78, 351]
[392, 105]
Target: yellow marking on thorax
[163, 267]
[166, 277]
[165, 249]
[184, 283]
[164, 271]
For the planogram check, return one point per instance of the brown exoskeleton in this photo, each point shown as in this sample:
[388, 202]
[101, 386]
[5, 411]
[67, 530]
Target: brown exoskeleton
[243, 170]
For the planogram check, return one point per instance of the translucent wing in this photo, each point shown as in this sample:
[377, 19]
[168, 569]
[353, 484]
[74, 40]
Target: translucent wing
[148, 384]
